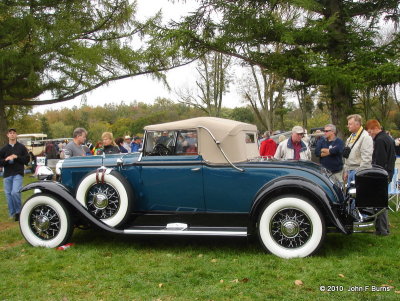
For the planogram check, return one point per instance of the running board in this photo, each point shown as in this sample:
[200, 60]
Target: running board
[183, 229]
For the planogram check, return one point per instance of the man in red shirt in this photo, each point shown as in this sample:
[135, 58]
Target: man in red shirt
[268, 146]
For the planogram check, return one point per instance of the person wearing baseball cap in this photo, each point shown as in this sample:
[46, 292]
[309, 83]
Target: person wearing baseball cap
[136, 144]
[127, 143]
[294, 148]
[13, 158]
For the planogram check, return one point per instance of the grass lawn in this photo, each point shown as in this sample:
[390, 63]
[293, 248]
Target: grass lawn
[101, 266]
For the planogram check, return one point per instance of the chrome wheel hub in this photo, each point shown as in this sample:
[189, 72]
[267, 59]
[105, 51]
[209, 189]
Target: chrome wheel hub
[42, 223]
[291, 228]
[100, 201]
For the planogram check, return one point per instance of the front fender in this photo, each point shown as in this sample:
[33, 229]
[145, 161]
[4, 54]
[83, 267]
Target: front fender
[63, 193]
[293, 185]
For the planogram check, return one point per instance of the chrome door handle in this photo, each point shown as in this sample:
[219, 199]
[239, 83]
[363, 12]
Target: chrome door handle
[195, 169]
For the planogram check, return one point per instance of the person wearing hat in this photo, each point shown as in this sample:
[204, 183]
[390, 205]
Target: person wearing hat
[294, 147]
[136, 144]
[127, 144]
[13, 157]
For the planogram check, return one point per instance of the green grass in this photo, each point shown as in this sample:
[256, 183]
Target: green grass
[101, 266]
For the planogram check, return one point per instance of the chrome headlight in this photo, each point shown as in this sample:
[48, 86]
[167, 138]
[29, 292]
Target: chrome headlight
[44, 173]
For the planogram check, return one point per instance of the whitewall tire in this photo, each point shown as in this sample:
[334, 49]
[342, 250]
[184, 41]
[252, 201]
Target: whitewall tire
[291, 227]
[108, 199]
[45, 221]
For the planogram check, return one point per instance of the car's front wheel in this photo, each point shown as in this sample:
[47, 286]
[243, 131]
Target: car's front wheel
[45, 221]
[291, 227]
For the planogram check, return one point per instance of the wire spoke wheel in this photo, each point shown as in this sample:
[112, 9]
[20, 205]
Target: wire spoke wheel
[44, 222]
[103, 200]
[109, 200]
[291, 228]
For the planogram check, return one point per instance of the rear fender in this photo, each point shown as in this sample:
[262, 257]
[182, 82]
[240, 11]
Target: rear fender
[61, 192]
[299, 186]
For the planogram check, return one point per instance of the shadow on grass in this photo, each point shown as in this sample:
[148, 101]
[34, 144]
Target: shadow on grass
[102, 239]
[335, 245]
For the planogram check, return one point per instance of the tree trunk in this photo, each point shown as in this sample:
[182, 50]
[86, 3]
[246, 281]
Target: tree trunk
[3, 123]
[341, 107]
[341, 96]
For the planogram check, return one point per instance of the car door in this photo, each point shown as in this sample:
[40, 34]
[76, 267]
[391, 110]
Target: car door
[170, 180]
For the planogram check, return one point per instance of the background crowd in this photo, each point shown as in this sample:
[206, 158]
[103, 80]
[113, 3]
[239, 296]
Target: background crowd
[364, 148]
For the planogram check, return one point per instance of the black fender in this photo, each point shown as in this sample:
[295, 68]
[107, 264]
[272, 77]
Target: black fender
[294, 185]
[63, 193]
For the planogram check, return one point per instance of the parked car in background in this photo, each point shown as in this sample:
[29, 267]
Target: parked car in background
[201, 176]
[35, 143]
[275, 137]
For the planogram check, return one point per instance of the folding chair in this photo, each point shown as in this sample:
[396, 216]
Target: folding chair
[394, 192]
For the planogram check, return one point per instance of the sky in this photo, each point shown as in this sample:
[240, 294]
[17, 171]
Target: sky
[144, 88]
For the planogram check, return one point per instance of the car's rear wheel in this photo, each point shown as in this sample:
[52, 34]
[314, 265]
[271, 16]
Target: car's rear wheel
[45, 221]
[107, 196]
[291, 227]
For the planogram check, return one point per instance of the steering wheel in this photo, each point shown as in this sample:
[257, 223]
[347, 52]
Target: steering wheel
[161, 150]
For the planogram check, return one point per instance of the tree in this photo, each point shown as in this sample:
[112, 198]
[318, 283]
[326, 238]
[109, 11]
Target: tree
[243, 114]
[376, 102]
[67, 48]
[332, 43]
[305, 97]
[45, 127]
[60, 130]
[263, 91]
[213, 83]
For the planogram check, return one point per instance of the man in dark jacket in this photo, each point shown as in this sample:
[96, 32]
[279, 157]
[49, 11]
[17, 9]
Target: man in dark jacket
[13, 157]
[330, 150]
[384, 155]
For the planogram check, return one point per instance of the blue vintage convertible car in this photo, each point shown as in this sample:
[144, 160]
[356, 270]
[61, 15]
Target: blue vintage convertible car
[201, 176]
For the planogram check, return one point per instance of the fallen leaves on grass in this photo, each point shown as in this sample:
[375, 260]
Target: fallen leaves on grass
[160, 285]
[244, 280]
[298, 282]
[214, 260]
[387, 285]
[341, 276]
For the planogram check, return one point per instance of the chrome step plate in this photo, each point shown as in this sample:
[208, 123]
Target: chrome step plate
[184, 229]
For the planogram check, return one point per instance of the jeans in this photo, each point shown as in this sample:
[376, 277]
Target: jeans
[12, 186]
[350, 176]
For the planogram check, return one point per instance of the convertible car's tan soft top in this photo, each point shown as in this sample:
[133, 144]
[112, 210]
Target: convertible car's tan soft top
[237, 139]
